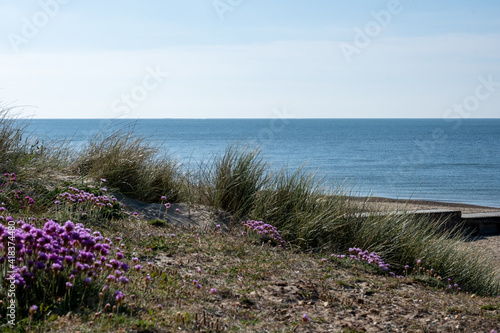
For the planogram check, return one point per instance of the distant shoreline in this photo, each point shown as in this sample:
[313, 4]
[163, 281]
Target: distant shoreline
[416, 204]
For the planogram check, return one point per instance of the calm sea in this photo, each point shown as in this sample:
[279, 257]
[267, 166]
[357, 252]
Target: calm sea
[444, 160]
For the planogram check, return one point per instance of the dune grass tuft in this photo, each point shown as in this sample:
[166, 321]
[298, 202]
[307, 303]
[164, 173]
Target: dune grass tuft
[131, 165]
[23, 152]
[307, 211]
[232, 181]
[13, 141]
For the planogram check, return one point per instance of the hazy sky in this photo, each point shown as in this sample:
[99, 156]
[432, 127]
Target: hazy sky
[251, 58]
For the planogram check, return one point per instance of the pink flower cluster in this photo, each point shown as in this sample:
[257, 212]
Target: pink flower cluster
[18, 199]
[80, 196]
[265, 230]
[360, 255]
[70, 250]
[14, 197]
[10, 177]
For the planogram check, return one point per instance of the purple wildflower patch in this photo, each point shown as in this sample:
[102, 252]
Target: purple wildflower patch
[266, 231]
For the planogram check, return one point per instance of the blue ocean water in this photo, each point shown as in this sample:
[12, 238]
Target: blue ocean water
[454, 160]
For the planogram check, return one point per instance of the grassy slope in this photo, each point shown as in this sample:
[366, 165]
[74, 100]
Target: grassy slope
[262, 288]
[265, 289]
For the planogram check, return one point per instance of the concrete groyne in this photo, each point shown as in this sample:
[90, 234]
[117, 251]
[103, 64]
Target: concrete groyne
[477, 223]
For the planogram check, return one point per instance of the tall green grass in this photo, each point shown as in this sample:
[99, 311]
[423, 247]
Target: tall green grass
[24, 153]
[403, 239]
[232, 181]
[303, 209]
[131, 165]
[12, 140]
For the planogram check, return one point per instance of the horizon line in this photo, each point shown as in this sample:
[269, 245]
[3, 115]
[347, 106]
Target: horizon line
[269, 118]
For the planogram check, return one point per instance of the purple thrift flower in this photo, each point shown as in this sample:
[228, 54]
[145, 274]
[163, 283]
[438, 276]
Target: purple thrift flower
[42, 256]
[68, 259]
[114, 263]
[79, 267]
[119, 296]
[56, 267]
[88, 281]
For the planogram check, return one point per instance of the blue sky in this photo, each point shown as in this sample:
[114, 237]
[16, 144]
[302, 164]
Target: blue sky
[249, 58]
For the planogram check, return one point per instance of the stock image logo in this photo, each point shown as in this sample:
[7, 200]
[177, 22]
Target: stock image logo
[32, 25]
